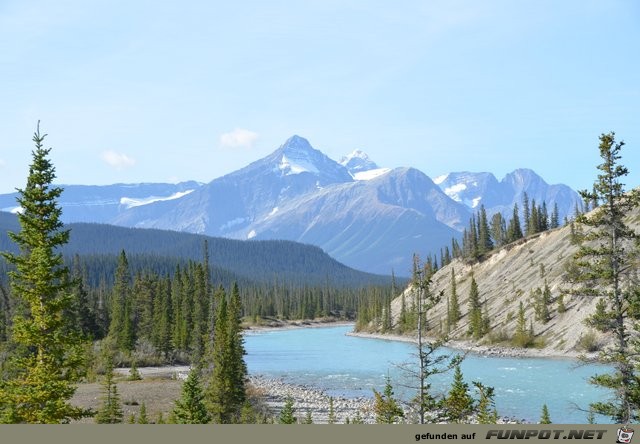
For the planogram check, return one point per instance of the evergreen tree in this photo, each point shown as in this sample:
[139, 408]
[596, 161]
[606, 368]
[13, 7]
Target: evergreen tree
[134, 374]
[190, 408]
[534, 220]
[332, 413]
[120, 328]
[430, 363]
[142, 416]
[555, 217]
[237, 366]
[83, 318]
[514, 232]
[287, 413]
[545, 315]
[498, 230]
[110, 411]
[308, 419]
[604, 260]
[523, 336]
[386, 407]
[545, 418]
[454, 310]
[48, 359]
[602, 319]
[219, 390]
[226, 391]
[485, 410]
[485, 244]
[476, 321]
[561, 307]
[458, 403]
[543, 217]
[526, 213]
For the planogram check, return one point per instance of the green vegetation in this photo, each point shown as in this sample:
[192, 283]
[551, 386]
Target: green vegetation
[544, 417]
[607, 253]
[110, 411]
[386, 407]
[458, 403]
[190, 408]
[47, 350]
[287, 413]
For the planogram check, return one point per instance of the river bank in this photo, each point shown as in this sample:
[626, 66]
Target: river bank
[487, 350]
[274, 324]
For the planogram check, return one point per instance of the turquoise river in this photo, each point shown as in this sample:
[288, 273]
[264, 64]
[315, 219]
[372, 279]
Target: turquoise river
[328, 359]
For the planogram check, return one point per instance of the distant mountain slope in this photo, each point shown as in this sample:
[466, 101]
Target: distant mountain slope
[258, 261]
[375, 225]
[475, 189]
[101, 204]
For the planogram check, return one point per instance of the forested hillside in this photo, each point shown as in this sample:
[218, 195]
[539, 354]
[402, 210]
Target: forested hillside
[160, 250]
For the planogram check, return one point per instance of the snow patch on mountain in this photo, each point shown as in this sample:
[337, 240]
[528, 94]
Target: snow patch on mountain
[438, 180]
[454, 191]
[274, 211]
[370, 174]
[297, 166]
[130, 202]
[475, 201]
[13, 210]
[251, 234]
[232, 223]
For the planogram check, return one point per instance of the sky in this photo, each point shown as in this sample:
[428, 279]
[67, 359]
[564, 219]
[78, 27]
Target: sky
[160, 91]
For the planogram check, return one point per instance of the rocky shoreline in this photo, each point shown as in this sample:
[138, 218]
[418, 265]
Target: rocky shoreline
[310, 399]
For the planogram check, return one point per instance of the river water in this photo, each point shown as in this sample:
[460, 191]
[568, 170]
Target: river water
[349, 366]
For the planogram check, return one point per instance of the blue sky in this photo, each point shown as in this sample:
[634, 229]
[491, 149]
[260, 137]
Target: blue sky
[151, 91]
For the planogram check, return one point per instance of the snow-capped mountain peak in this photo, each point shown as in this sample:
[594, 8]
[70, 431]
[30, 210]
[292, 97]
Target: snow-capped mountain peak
[358, 161]
[297, 156]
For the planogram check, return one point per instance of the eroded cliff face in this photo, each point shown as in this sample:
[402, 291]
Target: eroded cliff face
[507, 277]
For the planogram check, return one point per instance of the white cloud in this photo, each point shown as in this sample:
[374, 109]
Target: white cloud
[119, 161]
[238, 138]
[2, 163]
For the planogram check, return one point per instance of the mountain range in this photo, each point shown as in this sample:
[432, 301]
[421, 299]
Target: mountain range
[370, 218]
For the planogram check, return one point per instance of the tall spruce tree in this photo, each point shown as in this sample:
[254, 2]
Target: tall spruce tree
[485, 244]
[110, 412]
[514, 231]
[48, 359]
[605, 263]
[237, 366]
[458, 403]
[120, 328]
[454, 307]
[476, 321]
[219, 390]
[225, 393]
[190, 408]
